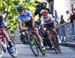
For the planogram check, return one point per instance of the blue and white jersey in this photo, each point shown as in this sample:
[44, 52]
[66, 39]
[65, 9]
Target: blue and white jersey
[25, 17]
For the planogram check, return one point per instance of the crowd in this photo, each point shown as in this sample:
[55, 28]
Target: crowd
[70, 15]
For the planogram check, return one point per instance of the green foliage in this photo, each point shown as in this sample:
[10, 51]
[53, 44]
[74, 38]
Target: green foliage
[9, 8]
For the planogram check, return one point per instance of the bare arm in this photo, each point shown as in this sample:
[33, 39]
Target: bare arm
[69, 17]
[33, 21]
[20, 24]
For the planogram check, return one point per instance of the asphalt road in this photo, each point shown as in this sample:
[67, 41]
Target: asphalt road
[25, 52]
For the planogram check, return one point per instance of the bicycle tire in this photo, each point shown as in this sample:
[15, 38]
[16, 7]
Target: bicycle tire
[56, 46]
[42, 52]
[36, 53]
[1, 50]
[14, 55]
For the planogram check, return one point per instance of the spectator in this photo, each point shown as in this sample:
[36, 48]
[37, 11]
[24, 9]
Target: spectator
[62, 19]
[72, 13]
[72, 16]
[67, 16]
[40, 7]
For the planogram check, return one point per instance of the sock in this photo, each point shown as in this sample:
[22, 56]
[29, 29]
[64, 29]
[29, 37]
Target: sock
[41, 43]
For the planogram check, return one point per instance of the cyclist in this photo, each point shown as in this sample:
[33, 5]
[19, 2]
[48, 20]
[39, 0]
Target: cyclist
[2, 27]
[26, 17]
[47, 21]
[40, 7]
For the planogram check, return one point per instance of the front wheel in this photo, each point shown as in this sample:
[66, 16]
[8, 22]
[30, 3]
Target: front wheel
[33, 45]
[56, 45]
[43, 52]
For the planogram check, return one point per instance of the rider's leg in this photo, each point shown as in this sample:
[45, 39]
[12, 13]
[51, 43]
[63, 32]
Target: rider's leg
[49, 38]
[49, 34]
[6, 35]
[10, 48]
[54, 31]
[55, 34]
[38, 36]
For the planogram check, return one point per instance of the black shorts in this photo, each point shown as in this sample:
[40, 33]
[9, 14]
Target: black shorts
[49, 26]
[2, 25]
[28, 24]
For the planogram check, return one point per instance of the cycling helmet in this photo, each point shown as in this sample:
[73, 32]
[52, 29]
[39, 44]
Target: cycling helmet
[20, 8]
[44, 12]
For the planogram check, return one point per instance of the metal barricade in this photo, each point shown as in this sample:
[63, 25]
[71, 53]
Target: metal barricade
[61, 30]
[67, 32]
[68, 29]
[74, 26]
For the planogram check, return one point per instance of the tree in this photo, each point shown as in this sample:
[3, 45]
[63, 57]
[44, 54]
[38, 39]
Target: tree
[9, 8]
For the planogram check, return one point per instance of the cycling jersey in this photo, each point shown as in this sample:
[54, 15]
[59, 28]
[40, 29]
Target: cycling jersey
[25, 17]
[46, 20]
